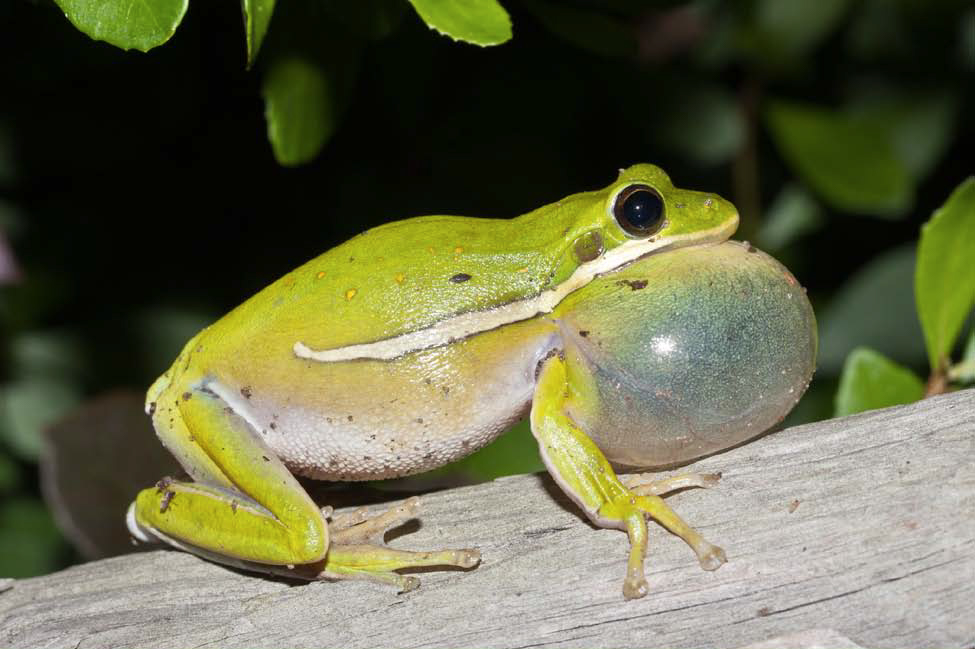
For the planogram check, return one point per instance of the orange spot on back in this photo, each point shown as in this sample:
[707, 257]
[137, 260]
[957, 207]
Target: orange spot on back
[399, 278]
[320, 274]
[350, 293]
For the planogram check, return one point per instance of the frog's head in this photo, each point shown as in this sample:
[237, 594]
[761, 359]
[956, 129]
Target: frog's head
[645, 206]
[639, 214]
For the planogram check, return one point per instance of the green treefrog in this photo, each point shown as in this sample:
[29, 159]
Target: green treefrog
[616, 319]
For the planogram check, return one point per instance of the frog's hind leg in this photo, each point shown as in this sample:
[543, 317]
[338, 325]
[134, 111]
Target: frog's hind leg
[247, 510]
[585, 474]
[356, 554]
[244, 505]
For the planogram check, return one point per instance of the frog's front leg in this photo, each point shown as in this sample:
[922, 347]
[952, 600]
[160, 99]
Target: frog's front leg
[246, 509]
[585, 474]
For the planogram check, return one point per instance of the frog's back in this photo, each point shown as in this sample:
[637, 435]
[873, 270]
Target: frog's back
[410, 275]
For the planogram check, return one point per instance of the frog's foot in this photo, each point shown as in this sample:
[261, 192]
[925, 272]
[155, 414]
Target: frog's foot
[351, 557]
[358, 527]
[630, 511]
[644, 484]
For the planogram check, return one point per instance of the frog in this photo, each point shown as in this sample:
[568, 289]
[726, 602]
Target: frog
[622, 322]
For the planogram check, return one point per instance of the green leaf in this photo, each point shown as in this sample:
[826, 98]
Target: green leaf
[793, 214]
[257, 16]
[944, 282]
[792, 28]
[128, 24]
[27, 407]
[587, 29]
[863, 310]
[299, 109]
[704, 123]
[871, 381]
[480, 22]
[920, 127]
[849, 161]
[53, 354]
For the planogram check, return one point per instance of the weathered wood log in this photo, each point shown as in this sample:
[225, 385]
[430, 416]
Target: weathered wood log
[863, 526]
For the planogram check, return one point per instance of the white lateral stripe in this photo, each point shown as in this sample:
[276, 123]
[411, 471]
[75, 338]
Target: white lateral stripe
[467, 324]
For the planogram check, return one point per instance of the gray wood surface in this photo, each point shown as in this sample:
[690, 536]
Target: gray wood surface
[863, 526]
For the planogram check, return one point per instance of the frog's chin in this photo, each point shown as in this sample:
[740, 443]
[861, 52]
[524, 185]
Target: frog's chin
[713, 237]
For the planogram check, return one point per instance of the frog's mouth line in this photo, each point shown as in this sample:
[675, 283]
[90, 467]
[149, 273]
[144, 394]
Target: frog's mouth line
[464, 325]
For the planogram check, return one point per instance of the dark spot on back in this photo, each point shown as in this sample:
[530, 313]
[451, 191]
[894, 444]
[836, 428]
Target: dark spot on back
[246, 392]
[460, 278]
[634, 284]
[583, 333]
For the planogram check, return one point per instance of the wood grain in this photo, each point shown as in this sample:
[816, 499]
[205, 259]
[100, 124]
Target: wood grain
[863, 526]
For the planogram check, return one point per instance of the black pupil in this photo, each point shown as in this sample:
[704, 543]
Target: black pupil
[642, 209]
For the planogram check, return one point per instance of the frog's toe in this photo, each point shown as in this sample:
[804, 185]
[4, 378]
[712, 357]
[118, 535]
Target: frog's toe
[645, 484]
[343, 521]
[711, 556]
[467, 558]
[376, 563]
[358, 527]
[409, 583]
[635, 588]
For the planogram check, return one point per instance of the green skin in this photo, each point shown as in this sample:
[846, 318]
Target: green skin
[418, 342]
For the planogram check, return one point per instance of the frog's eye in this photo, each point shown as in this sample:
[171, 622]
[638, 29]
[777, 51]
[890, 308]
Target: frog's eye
[639, 210]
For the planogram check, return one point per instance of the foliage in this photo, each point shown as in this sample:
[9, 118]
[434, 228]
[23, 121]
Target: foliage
[142, 194]
[944, 288]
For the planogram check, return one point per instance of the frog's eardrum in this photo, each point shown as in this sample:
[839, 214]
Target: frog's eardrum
[689, 352]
